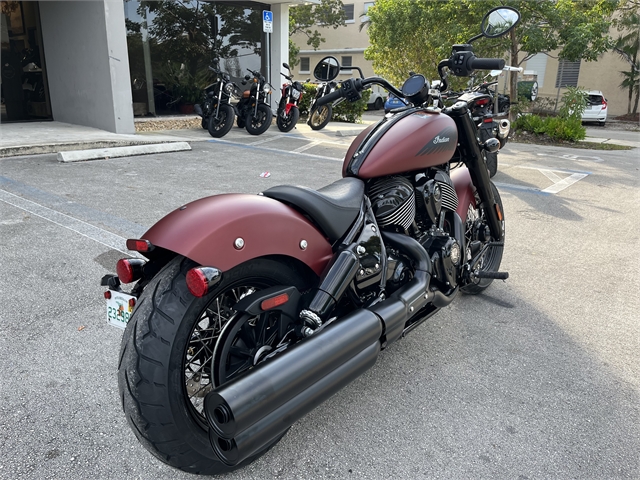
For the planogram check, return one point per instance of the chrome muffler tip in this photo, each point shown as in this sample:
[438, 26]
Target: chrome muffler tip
[504, 127]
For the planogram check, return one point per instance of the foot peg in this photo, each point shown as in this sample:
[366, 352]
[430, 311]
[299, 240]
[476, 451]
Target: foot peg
[494, 275]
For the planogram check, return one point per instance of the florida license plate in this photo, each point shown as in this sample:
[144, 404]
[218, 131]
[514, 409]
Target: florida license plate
[119, 308]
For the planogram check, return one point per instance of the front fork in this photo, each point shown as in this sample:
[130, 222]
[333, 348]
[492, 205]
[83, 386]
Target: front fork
[470, 151]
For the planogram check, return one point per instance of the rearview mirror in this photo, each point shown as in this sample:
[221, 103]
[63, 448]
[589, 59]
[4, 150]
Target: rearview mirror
[286, 65]
[327, 69]
[499, 21]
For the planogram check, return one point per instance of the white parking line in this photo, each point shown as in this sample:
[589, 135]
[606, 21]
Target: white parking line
[103, 237]
[564, 183]
[308, 146]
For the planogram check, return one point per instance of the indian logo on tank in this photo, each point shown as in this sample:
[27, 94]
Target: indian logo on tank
[444, 141]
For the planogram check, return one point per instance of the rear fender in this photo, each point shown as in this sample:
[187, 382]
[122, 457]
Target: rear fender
[464, 189]
[206, 232]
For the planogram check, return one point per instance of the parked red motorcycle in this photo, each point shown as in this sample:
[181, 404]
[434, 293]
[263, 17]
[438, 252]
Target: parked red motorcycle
[251, 310]
[288, 112]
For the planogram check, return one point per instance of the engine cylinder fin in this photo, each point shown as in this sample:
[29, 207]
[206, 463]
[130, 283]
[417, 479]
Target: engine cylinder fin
[393, 202]
[449, 196]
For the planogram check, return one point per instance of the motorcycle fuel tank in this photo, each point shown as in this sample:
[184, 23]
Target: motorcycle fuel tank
[410, 140]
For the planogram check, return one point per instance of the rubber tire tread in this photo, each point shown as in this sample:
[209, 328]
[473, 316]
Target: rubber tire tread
[150, 376]
[294, 116]
[264, 126]
[230, 114]
[320, 126]
[475, 288]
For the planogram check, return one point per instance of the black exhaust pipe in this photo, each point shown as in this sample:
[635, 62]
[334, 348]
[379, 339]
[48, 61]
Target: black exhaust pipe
[239, 404]
[253, 439]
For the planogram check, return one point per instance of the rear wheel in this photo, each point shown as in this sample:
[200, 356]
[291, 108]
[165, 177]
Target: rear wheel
[378, 104]
[320, 116]
[219, 126]
[476, 238]
[259, 121]
[166, 366]
[286, 122]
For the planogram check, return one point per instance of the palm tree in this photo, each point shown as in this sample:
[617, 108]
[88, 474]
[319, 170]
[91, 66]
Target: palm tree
[627, 46]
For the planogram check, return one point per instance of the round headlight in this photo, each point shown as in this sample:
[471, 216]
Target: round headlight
[266, 89]
[228, 88]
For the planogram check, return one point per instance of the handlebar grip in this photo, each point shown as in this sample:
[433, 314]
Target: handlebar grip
[330, 97]
[486, 64]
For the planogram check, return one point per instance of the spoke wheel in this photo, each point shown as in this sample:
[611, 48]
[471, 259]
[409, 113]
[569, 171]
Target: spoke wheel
[320, 117]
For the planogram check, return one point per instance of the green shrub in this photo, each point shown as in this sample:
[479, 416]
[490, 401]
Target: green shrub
[574, 102]
[557, 128]
[343, 112]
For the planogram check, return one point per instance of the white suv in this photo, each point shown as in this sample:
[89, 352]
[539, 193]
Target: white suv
[596, 110]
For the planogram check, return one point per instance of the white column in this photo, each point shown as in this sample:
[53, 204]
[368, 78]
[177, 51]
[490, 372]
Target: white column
[279, 49]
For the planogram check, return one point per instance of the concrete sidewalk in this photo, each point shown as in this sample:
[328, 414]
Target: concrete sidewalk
[34, 138]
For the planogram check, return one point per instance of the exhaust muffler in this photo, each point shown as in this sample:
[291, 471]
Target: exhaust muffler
[504, 127]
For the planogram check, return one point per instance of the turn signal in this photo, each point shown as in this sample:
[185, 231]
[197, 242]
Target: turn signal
[201, 280]
[273, 302]
[129, 269]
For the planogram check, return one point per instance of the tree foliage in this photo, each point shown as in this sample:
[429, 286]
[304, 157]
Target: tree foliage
[627, 46]
[414, 35]
[303, 19]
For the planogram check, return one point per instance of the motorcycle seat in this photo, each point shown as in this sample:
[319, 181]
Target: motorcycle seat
[334, 207]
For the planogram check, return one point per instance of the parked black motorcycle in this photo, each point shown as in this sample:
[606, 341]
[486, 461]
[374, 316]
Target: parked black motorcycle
[288, 112]
[254, 112]
[216, 110]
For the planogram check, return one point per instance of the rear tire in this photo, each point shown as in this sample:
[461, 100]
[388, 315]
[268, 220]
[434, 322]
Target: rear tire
[219, 127]
[288, 122]
[320, 116]
[260, 122]
[165, 358]
[378, 104]
[474, 227]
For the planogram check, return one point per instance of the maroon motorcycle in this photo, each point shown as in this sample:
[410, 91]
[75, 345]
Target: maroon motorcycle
[248, 311]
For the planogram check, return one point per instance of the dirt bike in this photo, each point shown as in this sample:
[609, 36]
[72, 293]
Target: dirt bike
[254, 112]
[248, 311]
[216, 110]
[288, 112]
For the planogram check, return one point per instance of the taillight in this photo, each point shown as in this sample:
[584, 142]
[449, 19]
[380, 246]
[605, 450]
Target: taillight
[273, 302]
[488, 120]
[200, 280]
[129, 269]
[139, 245]
[604, 104]
[482, 101]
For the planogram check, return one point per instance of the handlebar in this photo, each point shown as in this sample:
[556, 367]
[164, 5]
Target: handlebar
[486, 63]
[352, 87]
[330, 97]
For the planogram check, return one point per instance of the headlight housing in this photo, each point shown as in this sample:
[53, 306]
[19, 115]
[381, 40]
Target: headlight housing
[266, 89]
[228, 88]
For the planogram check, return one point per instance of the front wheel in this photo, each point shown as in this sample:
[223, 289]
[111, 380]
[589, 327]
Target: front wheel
[258, 122]
[476, 239]
[219, 126]
[286, 122]
[166, 366]
[319, 117]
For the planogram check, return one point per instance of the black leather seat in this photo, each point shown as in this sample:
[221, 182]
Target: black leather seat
[334, 207]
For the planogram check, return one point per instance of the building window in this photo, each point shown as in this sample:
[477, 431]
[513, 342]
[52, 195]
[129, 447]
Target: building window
[348, 11]
[364, 17]
[346, 65]
[304, 65]
[568, 73]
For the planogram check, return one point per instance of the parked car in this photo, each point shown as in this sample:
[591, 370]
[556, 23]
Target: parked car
[393, 102]
[596, 110]
[376, 101]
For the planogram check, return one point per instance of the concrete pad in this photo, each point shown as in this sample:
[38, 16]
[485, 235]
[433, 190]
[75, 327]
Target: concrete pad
[98, 154]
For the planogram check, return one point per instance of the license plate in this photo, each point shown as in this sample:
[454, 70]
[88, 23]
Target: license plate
[119, 309]
[295, 93]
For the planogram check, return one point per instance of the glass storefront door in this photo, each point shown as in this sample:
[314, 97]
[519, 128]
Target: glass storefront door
[171, 44]
[23, 76]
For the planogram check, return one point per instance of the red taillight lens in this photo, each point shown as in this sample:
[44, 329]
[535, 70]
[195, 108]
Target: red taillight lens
[200, 280]
[482, 101]
[488, 120]
[197, 282]
[107, 294]
[604, 104]
[129, 269]
[274, 301]
[139, 245]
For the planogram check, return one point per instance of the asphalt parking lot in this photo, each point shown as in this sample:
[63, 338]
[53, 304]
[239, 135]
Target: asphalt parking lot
[537, 378]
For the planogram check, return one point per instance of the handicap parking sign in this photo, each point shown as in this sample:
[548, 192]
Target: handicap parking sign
[267, 21]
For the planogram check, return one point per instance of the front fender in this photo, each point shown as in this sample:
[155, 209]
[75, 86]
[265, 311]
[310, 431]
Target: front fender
[206, 230]
[464, 189]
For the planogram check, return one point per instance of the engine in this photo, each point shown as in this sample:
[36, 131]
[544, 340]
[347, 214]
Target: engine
[424, 207]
